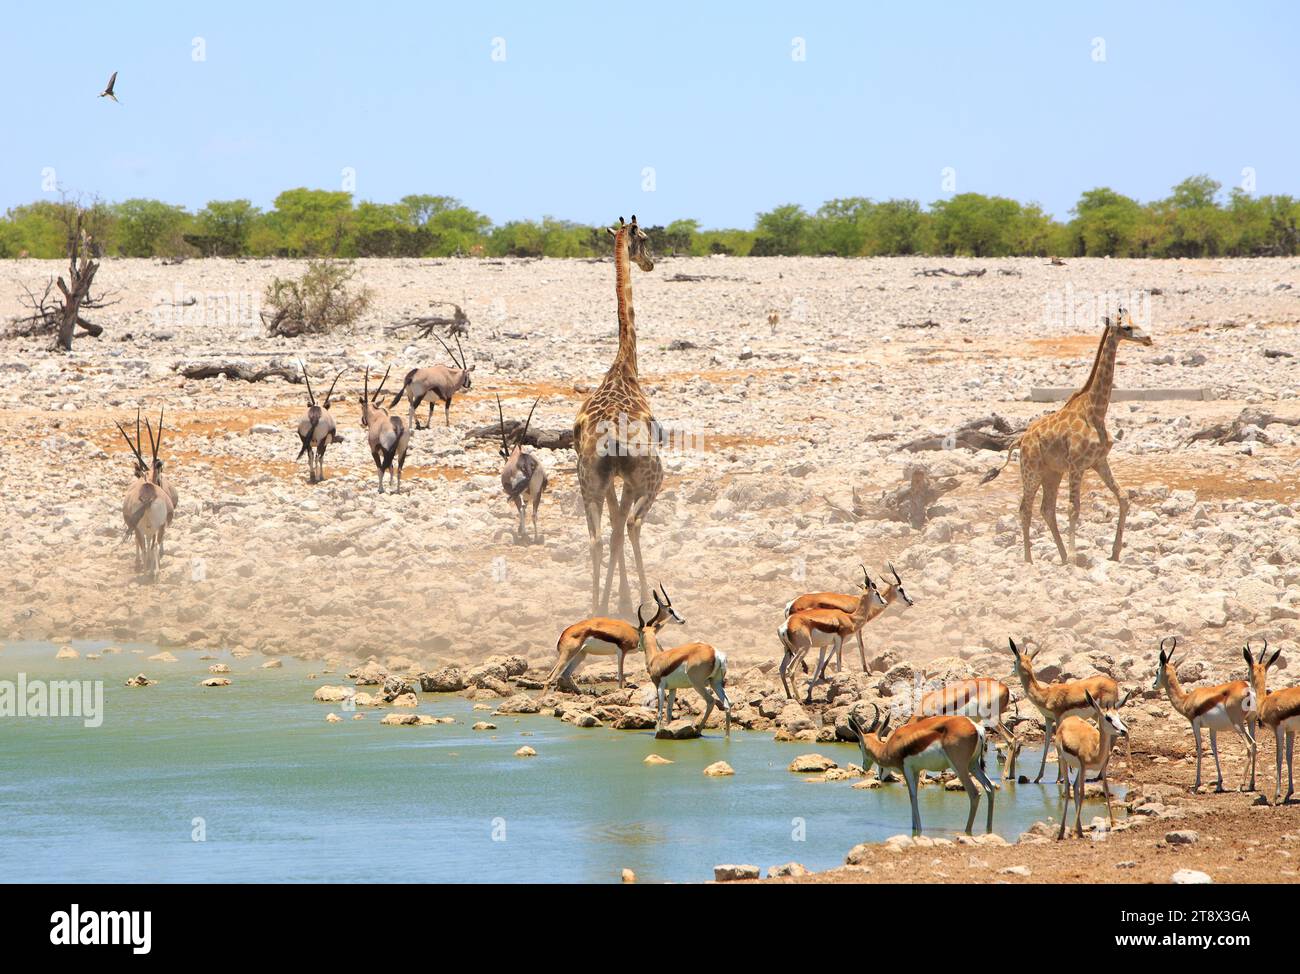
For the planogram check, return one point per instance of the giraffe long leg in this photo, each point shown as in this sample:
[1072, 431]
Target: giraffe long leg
[617, 523]
[635, 520]
[1029, 481]
[1051, 485]
[594, 503]
[1102, 467]
[1076, 489]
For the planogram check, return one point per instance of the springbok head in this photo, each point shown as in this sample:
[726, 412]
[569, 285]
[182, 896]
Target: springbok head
[898, 585]
[1166, 664]
[1109, 719]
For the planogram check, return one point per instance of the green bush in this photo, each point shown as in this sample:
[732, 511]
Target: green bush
[319, 301]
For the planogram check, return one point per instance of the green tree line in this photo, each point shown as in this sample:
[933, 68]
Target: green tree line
[1195, 220]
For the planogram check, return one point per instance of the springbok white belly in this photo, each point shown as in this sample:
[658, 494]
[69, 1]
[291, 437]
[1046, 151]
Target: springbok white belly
[1215, 719]
[933, 758]
[599, 647]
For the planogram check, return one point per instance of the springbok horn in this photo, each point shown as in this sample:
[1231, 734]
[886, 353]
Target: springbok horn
[311, 398]
[875, 718]
[895, 571]
[667, 600]
[329, 394]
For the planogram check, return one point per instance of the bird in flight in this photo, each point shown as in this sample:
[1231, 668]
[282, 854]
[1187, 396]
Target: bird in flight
[108, 92]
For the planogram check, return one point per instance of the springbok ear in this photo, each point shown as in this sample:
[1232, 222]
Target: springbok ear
[1276, 654]
[1245, 651]
[1014, 651]
[1087, 694]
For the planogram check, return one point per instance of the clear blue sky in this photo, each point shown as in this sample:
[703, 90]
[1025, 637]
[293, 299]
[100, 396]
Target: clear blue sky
[707, 94]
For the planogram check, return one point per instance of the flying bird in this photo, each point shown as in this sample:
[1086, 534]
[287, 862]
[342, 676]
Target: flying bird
[108, 92]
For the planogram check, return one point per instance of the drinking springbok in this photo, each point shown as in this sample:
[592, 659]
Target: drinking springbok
[523, 474]
[1223, 707]
[982, 699]
[850, 604]
[387, 436]
[1279, 711]
[825, 629]
[147, 508]
[1082, 748]
[442, 381]
[316, 430]
[599, 636]
[696, 665]
[929, 744]
[1056, 701]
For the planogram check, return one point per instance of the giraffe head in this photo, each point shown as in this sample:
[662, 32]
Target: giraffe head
[635, 238]
[1125, 329]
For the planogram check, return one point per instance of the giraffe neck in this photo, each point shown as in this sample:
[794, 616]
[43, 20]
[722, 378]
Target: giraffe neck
[626, 358]
[1096, 391]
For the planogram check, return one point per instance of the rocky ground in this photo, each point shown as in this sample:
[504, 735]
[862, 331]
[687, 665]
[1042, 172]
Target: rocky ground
[791, 382]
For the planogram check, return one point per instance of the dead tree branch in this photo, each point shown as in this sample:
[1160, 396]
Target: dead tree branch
[244, 371]
[424, 326]
[970, 436]
[1249, 425]
[542, 439]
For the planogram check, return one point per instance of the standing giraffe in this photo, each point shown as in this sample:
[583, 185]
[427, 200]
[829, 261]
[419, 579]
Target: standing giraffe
[614, 435]
[1073, 440]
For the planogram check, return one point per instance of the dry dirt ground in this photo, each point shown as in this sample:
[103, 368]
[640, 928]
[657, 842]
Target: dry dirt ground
[788, 380]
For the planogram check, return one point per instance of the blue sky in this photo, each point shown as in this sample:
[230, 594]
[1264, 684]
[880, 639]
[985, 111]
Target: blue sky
[588, 96]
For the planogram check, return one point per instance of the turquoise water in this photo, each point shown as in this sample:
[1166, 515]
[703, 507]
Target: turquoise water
[285, 796]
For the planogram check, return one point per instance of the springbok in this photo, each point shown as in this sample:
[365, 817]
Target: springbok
[600, 636]
[849, 604]
[316, 430]
[982, 699]
[696, 665]
[1082, 748]
[440, 380]
[1056, 701]
[824, 628]
[387, 435]
[147, 507]
[929, 744]
[523, 474]
[1279, 711]
[1217, 708]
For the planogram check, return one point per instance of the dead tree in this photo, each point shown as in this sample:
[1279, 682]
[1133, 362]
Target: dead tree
[944, 272]
[425, 325]
[971, 436]
[1249, 425]
[61, 314]
[542, 439]
[913, 503]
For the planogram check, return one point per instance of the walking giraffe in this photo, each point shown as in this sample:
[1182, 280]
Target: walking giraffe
[615, 434]
[1073, 440]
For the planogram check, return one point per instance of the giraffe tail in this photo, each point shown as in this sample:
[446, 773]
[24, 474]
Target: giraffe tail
[1011, 448]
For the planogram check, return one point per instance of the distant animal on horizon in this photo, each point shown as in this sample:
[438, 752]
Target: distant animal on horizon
[440, 381]
[108, 91]
[615, 436]
[523, 477]
[1072, 441]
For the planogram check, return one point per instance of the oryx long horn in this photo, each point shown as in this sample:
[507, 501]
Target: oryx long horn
[381, 384]
[450, 353]
[158, 448]
[463, 361]
[502, 417]
[332, 385]
[133, 447]
[153, 447]
[311, 398]
[528, 420]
